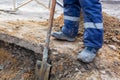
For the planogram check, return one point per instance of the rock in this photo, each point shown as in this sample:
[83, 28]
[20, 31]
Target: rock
[103, 72]
[76, 69]
[115, 39]
[81, 43]
[118, 37]
[1, 67]
[116, 63]
[92, 78]
[60, 75]
[112, 47]
[117, 31]
[82, 70]
[55, 53]
[89, 67]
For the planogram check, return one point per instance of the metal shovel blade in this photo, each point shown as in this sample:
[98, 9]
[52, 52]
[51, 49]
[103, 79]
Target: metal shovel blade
[42, 70]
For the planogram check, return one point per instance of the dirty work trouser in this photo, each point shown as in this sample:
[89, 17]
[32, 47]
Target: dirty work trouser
[93, 24]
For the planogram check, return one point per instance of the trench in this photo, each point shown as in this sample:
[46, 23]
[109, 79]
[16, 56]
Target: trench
[18, 62]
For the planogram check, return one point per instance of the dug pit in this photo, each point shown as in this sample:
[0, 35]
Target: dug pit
[18, 63]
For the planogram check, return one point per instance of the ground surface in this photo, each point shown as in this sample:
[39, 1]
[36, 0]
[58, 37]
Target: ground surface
[18, 63]
[31, 11]
[111, 7]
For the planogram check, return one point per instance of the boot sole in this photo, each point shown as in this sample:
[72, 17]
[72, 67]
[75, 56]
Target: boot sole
[64, 39]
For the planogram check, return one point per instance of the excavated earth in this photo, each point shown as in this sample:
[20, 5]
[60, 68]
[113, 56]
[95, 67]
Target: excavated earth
[21, 44]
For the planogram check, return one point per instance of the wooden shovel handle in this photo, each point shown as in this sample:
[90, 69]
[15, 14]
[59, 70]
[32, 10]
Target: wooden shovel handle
[47, 41]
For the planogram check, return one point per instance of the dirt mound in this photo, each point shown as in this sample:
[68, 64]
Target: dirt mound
[111, 27]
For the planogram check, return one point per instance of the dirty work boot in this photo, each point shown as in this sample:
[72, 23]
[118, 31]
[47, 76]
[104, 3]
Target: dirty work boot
[61, 36]
[88, 54]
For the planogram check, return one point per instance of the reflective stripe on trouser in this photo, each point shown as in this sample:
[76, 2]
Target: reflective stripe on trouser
[71, 17]
[93, 34]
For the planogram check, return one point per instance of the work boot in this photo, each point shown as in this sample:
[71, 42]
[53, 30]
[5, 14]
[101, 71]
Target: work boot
[61, 36]
[88, 54]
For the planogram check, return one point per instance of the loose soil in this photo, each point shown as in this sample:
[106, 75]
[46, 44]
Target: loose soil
[19, 63]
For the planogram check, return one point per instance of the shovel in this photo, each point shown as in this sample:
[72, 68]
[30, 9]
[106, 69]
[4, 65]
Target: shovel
[42, 67]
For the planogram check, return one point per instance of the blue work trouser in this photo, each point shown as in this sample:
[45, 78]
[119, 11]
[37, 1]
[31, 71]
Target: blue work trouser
[93, 24]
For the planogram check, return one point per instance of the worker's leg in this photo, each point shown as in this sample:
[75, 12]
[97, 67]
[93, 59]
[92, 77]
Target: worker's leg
[93, 35]
[71, 20]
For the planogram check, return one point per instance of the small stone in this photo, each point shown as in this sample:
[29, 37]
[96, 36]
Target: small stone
[116, 40]
[81, 43]
[10, 30]
[1, 67]
[76, 69]
[21, 68]
[89, 67]
[117, 31]
[60, 75]
[13, 56]
[116, 63]
[65, 73]
[112, 47]
[103, 72]
[80, 73]
[55, 53]
[82, 70]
